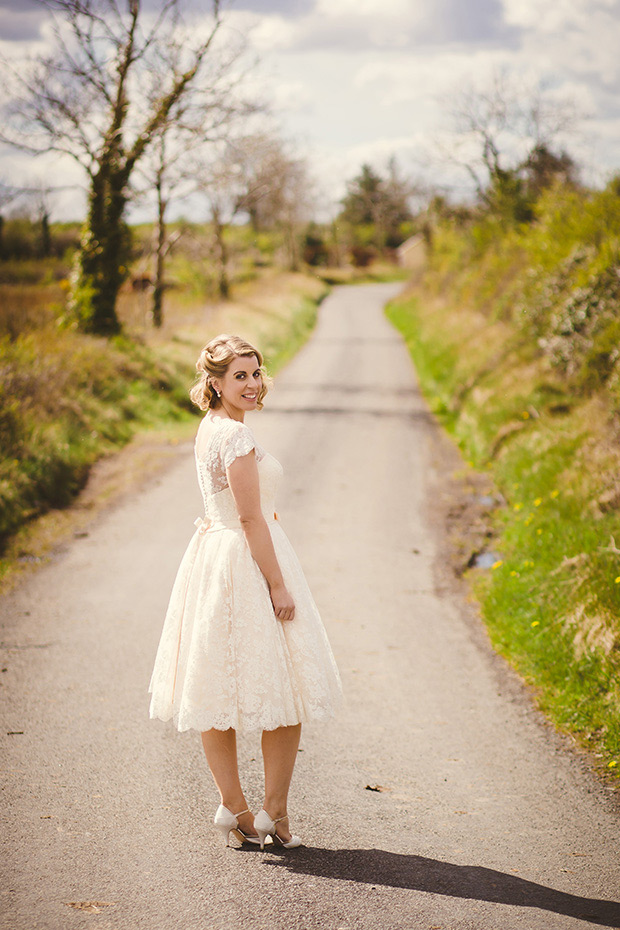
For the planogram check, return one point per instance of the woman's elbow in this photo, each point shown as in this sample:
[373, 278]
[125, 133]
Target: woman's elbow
[250, 521]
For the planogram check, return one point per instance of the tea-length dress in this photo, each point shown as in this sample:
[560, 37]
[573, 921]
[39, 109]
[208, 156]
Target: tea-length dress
[224, 659]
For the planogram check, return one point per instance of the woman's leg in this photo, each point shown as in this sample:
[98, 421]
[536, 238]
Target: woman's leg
[279, 755]
[220, 748]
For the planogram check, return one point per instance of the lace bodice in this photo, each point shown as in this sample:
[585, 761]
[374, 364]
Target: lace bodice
[218, 443]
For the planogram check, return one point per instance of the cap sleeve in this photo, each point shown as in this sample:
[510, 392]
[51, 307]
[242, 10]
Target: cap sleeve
[238, 441]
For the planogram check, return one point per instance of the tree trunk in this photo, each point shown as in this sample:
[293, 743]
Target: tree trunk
[160, 255]
[219, 229]
[46, 238]
[292, 246]
[102, 263]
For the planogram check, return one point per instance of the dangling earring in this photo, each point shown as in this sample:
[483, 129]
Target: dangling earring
[219, 393]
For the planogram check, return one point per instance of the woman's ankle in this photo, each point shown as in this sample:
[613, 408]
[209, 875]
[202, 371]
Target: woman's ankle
[275, 808]
[235, 805]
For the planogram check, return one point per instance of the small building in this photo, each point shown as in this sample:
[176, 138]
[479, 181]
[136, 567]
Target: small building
[411, 253]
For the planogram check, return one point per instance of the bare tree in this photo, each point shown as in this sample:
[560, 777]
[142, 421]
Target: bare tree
[279, 190]
[225, 181]
[254, 175]
[175, 164]
[496, 126]
[100, 98]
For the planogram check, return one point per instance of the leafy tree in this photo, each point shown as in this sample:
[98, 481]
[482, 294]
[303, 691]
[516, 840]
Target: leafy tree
[380, 203]
[542, 168]
[314, 247]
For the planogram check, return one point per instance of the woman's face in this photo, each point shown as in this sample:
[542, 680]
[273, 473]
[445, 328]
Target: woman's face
[241, 385]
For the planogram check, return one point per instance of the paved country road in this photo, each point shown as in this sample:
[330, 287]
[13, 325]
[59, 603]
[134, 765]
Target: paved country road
[484, 820]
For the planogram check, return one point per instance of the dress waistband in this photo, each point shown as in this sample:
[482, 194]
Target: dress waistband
[205, 525]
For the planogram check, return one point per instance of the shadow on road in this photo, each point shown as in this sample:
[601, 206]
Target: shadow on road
[377, 867]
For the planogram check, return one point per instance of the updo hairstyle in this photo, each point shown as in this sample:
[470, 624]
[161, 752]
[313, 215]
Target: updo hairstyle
[213, 363]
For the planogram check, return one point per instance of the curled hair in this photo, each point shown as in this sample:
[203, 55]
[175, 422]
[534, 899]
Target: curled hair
[213, 363]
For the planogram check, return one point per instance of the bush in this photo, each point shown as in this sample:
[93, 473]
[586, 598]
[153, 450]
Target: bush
[64, 399]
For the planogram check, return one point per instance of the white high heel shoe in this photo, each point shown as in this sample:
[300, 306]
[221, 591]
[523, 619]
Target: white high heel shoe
[265, 826]
[227, 823]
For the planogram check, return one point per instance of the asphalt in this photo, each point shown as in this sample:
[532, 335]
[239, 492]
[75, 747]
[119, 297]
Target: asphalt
[439, 799]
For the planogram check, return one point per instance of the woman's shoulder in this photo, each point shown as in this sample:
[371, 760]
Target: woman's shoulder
[237, 440]
[233, 431]
[215, 433]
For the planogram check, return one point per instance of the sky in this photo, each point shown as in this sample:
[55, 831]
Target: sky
[359, 81]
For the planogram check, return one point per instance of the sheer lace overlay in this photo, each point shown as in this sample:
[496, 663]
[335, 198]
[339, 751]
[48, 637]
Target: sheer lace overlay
[224, 660]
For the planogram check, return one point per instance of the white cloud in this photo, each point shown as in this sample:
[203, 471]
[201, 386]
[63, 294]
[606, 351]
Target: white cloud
[360, 80]
[388, 9]
[551, 17]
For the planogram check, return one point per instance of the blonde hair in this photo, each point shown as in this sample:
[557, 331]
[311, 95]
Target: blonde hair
[213, 363]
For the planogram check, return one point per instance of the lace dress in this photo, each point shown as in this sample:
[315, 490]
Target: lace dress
[224, 660]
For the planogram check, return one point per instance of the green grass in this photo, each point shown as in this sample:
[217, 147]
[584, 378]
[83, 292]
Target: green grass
[377, 273]
[550, 444]
[279, 347]
[65, 400]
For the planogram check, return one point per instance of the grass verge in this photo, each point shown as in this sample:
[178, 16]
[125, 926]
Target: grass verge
[551, 602]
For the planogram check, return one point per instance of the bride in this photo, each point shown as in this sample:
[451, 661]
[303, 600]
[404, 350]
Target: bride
[243, 646]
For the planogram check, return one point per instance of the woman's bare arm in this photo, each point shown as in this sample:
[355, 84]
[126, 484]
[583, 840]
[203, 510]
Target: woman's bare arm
[244, 484]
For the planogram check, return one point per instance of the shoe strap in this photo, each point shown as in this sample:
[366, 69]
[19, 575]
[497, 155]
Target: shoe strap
[281, 818]
[240, 814]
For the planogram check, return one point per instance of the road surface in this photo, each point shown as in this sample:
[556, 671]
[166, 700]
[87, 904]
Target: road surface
[484, 818]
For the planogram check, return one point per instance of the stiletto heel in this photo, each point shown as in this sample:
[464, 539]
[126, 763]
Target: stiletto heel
[265, 826]
[225, 831]
[262, 835]
[227, 823]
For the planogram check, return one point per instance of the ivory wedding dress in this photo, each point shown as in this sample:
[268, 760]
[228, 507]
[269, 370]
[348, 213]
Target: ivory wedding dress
[224, 660]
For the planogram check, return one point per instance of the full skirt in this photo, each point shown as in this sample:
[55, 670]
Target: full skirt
[224, 660]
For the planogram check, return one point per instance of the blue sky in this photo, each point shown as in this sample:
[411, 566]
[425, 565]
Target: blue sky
[361, 80]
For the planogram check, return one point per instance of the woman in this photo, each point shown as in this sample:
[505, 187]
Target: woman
[243, 646]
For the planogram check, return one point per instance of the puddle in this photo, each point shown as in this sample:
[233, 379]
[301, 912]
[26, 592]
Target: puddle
[483, 559]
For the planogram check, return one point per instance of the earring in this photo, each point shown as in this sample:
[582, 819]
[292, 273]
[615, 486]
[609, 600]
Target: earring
[219, 393]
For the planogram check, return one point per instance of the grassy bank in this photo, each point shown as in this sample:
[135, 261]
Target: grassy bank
[67, 399]
[515, 337]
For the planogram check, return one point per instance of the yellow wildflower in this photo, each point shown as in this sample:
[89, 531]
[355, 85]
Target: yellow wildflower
[497, 564]
[518, 507]
[554, 494]
[612, 765]
[538, 502]
[528, 520]
[535, 623]
[539, 532]
[514, 574]
[617, 580]
[525, 415]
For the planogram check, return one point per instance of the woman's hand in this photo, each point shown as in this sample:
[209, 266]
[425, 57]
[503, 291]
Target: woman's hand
[283, 604]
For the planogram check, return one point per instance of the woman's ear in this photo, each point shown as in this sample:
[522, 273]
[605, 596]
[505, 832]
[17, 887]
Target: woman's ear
[215, 384]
